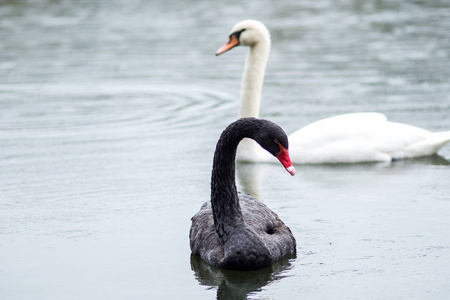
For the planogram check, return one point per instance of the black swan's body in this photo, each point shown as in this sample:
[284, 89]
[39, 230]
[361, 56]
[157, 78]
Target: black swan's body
[236, 231]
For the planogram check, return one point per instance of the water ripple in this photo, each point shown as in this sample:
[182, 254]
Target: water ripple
[73, 109]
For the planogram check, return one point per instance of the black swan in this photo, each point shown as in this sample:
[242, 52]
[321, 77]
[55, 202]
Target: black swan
[236, 231]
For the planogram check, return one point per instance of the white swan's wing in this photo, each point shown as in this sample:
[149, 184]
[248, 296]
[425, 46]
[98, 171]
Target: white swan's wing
[352, 138]
[339, 127]
[358, 137]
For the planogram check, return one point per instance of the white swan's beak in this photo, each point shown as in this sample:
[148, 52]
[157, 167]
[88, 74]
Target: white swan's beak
[232, 42]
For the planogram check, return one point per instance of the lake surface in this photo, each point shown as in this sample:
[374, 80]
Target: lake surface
[109, 115]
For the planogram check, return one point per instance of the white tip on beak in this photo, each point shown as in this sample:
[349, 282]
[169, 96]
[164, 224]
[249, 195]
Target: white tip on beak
[291, 170]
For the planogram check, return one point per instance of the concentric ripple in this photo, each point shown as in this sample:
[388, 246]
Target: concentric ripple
[82, 109]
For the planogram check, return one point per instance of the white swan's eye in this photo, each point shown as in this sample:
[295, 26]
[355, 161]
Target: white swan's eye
[237, 34]
[233, 41]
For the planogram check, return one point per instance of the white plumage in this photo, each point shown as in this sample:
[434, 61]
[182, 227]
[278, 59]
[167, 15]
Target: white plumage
[348, 138]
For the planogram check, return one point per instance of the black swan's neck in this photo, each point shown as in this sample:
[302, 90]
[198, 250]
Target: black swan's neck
[224, 197]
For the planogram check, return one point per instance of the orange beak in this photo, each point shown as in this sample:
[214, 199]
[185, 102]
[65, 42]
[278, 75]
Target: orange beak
[232, 42]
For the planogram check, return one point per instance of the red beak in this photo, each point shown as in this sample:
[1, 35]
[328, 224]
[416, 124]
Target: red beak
[285, 160]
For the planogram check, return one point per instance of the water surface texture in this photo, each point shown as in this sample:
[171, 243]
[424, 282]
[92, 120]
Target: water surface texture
[109, 115]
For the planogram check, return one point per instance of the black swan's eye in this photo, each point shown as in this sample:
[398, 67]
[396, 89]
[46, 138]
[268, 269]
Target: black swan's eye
[270, 231]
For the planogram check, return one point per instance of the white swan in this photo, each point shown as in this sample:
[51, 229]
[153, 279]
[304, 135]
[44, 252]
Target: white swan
[348, 138]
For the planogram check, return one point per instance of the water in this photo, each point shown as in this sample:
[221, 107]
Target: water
[109, 114]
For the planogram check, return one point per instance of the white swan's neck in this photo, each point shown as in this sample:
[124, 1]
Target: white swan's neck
[253, 78]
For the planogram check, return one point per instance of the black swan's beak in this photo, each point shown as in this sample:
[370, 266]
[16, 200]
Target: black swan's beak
[285, 160]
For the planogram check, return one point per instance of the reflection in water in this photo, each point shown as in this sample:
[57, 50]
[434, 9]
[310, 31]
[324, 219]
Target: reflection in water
[248, 177]
[433, 160]
[248, 174]
[239, 284]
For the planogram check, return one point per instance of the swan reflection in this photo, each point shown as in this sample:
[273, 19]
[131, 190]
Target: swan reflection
[248, 176]
[432, 160]
[239, 284]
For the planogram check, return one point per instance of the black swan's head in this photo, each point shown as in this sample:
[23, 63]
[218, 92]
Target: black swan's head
[273, 138]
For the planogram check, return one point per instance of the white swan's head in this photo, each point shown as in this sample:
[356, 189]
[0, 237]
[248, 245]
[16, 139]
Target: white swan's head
[246, 33]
